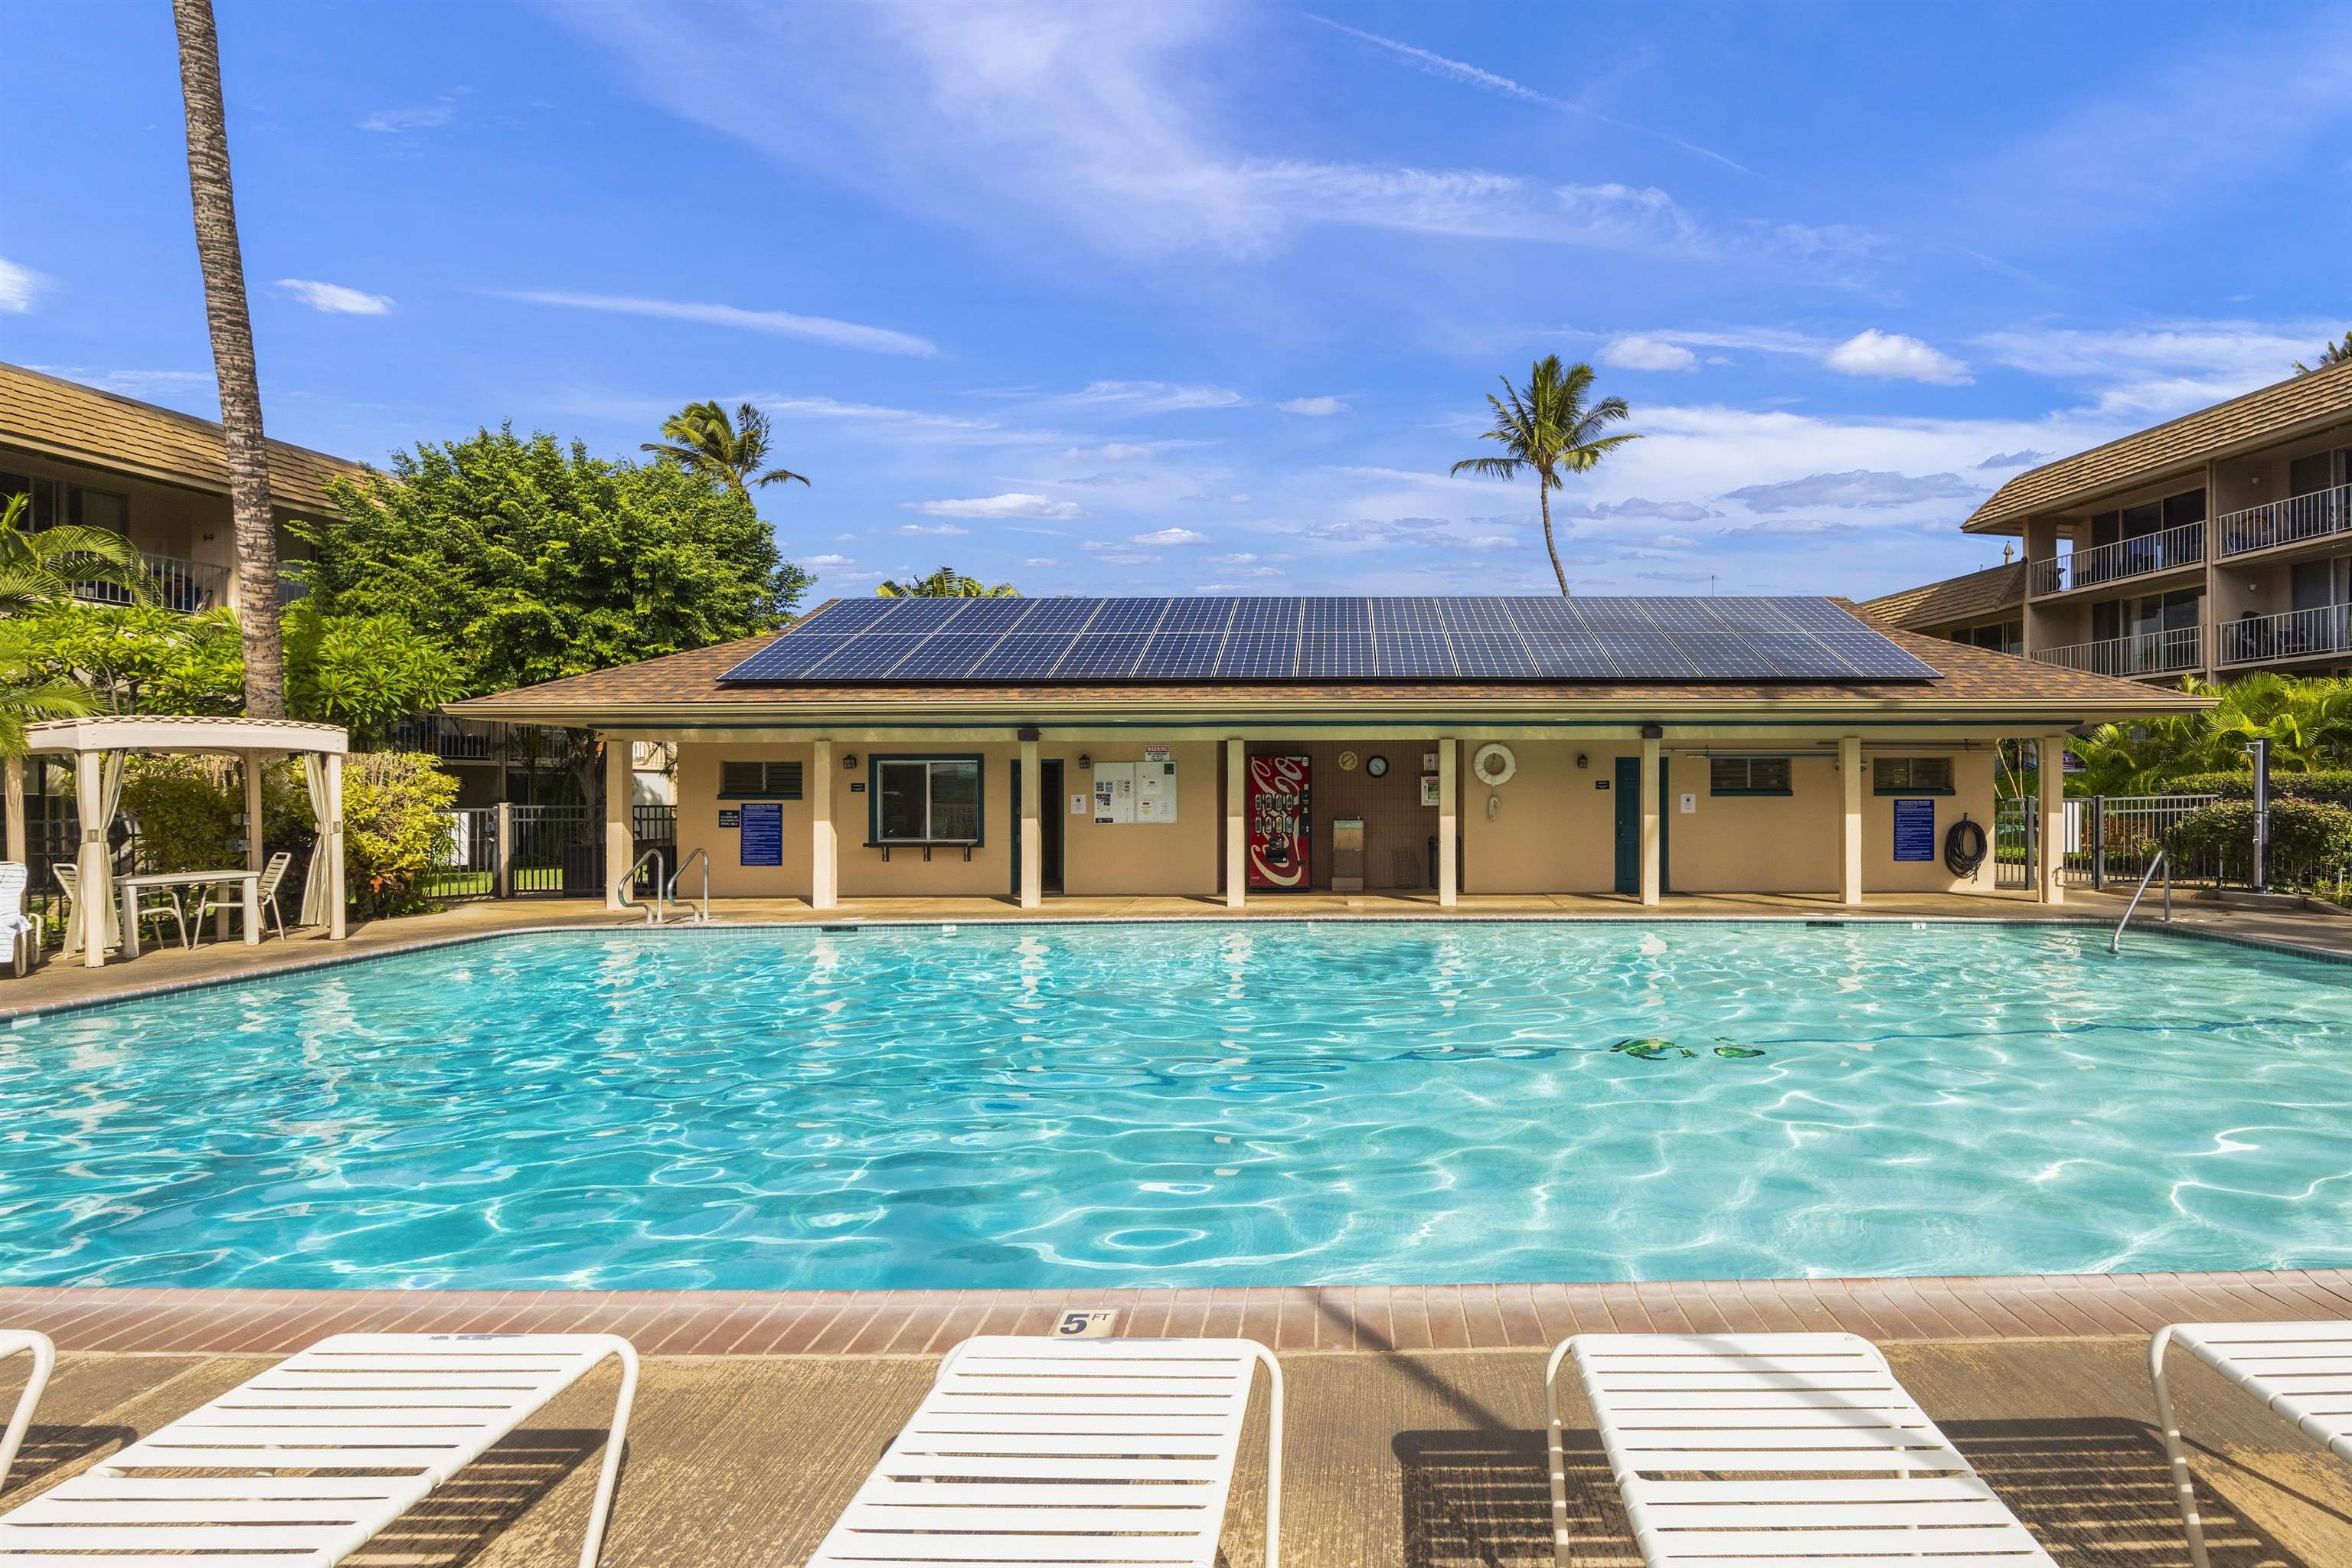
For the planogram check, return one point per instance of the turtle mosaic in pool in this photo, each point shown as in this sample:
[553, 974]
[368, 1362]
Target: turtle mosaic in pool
[1193, 1103]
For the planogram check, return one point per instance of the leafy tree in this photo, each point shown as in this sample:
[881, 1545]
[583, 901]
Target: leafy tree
[395, 834]
[533, 560]
[222, 262]
[703, 440]
[947, 583]
[42, 567]
[1549, 429]
[27, 697]
[2334, 353]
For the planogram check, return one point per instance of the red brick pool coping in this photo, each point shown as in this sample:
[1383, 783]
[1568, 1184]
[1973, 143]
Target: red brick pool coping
[1369, 1318]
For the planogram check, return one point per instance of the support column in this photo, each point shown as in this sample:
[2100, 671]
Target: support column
[254, 762]
[502, 883]
[824, 846]
[1236, 823]
[1449, 821]
[1653, 879]
[90, 878]
[1850, 854]
[620, 827]
[2051, 774]
[13, 770]
[339, 893]
[1033, 830]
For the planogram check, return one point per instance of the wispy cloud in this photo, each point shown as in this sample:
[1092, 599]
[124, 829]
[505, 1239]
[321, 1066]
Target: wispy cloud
[1148, 398]
[1168, 536]
[929, 530]
[1315, 407]
[1637, 352]
[413, 117]
[141, 383]
[18, 287]
[781, 323]
[1014, 503]
[334, 299]
[1860, 487]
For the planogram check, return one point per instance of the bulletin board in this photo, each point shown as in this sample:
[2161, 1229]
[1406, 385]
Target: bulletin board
[1114, 793]
[1155, 789]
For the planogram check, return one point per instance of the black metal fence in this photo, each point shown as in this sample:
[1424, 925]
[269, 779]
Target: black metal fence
[2109, 840]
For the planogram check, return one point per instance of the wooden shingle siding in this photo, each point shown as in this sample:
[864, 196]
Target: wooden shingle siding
[77, 424]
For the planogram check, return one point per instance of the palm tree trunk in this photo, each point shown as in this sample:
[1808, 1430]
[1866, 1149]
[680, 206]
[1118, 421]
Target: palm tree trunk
[1543, 499]
[232, 337]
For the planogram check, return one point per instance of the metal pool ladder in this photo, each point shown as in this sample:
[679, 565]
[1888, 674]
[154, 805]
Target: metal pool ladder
[704, 917]
[2115, 942]
[629, 883]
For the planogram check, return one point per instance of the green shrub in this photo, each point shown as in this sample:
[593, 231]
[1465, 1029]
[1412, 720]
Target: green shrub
[2308, 838]
[2321, 784]
[188, 809]
[393, 832]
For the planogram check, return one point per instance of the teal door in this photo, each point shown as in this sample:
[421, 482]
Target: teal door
[1628, 791]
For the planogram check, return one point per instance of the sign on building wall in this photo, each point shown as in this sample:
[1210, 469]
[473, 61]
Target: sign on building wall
[1915, 830]
[764, 833]
[1114, 793]
[1155, 788]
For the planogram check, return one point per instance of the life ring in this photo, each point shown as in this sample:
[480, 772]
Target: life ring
[1963, 848]
[1494, 764]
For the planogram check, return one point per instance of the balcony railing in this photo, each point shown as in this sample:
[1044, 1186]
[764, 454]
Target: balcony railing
[2113, 562]
[2296, 518]
[2148, 653]
[2297, 634]
[186, 586]
[476, 741]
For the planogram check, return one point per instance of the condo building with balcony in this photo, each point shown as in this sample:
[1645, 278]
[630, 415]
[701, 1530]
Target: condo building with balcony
[2213, 545]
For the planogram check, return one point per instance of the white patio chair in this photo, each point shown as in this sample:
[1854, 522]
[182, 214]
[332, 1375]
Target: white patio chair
[1068, 1451]
[70, 879]
[2302, 1371]
[265, 895]
[24, 936]
[1857, 1472]
[307, 1462]
[24, 1342]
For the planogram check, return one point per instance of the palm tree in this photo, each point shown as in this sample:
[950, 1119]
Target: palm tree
[703, 439]
[223, 261]
[947, 583]
[44, 567]
[2334, 353]
[1547, 427]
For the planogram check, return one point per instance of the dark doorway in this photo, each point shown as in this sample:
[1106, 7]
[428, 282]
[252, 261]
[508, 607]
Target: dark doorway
[1049, 822]
[1628, 790]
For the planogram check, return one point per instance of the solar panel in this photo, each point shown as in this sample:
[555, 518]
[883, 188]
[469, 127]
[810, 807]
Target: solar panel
[1331, 638]
[1180, 656]
[1112, 657]
[1323, 615]
[1258, 656]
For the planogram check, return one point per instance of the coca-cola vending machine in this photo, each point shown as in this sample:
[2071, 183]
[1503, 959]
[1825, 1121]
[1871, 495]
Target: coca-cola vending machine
[1277, 823]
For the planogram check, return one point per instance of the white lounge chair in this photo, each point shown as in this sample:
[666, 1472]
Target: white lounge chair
[23, 935]
[2301, 1372]
[411, 1410]
[1068, 1451]
[1811, 1453]
[24, 1342]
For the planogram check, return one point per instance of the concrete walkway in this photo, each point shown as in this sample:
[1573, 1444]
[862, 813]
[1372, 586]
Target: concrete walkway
[1432, 1460]
[57, 983]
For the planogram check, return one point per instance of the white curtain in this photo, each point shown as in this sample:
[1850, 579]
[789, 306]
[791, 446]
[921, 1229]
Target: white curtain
[320, 888]
[110, 791]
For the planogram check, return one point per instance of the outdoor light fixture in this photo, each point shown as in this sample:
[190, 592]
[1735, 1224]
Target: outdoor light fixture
[1582, 761]
[1653, 731]
[1026, 732]
[849, 759]
[1085, 762]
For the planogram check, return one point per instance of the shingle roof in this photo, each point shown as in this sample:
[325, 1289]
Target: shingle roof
[2303, 402]
[78, 424]
[690, 683]
[1985, 593]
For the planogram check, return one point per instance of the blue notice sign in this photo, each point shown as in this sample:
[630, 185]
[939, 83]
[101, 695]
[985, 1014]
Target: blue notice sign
[764, 833]
[1915, 830]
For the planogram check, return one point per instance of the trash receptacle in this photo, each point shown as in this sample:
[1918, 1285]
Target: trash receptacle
[1348, 855]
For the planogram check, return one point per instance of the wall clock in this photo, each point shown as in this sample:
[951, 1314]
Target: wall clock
[1377, 765]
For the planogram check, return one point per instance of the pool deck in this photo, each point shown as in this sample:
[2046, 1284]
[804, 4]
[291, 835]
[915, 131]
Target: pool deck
[56, 983]
[1414, 1436]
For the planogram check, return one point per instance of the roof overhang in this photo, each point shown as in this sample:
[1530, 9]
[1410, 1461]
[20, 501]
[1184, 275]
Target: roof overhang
[181, 732]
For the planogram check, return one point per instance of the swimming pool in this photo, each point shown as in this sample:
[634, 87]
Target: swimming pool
[1193, 1103]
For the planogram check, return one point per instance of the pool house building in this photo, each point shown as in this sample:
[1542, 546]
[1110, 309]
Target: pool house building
[1237, 750]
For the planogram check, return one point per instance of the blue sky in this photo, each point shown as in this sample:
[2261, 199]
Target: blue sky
[1127, 297]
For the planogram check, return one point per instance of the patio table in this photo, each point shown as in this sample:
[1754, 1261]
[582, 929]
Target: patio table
[130, 887]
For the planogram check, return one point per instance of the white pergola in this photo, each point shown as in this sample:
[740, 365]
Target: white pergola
[100, 746]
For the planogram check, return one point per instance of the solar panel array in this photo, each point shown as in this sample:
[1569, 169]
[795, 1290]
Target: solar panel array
[1020, 641]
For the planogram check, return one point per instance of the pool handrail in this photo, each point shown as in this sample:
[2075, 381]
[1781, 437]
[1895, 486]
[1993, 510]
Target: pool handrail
[629, 886]
[2115, 941]
[702, 918]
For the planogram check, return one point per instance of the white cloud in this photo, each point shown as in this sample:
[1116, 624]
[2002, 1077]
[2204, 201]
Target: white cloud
[783, 323]
[141, 383]
[1439, 66]
[1114, 451]
[1150, 397]
[416, 117]
[18, 285]
[1014, 503]
[826, 563]
[1647, 353]
[1315, 406]
[1169, 536]
[334, 299]
[931, 531]
[1895, 357]
[1858, 486]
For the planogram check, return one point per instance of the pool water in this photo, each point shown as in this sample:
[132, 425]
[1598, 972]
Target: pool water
[1193, 1103]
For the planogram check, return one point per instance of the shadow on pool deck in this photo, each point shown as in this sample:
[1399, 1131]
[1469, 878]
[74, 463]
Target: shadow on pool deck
[1428, 1460]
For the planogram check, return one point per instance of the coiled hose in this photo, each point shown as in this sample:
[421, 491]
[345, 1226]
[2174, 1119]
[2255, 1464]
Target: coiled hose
[1963, 848]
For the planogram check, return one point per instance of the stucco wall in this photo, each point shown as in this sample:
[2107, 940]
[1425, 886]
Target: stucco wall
[1972, 794]
[1182, 858]
[1756, 844]
[1553, 828]
[697, 821]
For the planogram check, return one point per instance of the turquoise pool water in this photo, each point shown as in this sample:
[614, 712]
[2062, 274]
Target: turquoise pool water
[1193, 1104]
